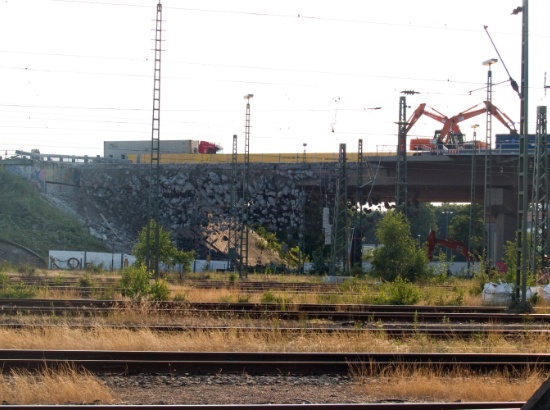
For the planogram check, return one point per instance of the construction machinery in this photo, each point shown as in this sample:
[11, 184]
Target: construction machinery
[450, 136]
[452, 244]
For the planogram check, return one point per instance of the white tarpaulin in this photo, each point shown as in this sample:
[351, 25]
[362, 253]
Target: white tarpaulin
[502, 293]
[497, 293]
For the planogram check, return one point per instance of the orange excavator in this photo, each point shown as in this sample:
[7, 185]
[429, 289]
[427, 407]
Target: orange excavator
[450, 135]
[457, 246]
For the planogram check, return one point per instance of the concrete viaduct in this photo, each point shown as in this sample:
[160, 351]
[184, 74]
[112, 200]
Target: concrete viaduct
[117, 191]
[448, 178]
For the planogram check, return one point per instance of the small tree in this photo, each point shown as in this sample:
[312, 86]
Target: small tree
[137, 285]
[399, 255]
[135, 282]
[168, 252]
[184, 259]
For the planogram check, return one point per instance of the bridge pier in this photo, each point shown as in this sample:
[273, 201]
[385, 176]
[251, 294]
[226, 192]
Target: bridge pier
[504, 212]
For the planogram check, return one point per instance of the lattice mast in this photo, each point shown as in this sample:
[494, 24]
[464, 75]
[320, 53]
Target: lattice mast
[234, 232]
[473, 204]
[401, 186]
[539, 205]
[487, 216]
[302, 231]
[243, 268]
[520, 291]
[153, 222]
[339, 256]
[357, 242]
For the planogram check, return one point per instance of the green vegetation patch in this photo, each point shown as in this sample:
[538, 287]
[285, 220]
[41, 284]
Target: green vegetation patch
[28, 219]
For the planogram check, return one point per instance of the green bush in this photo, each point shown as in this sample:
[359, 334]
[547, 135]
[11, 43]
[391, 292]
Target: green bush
[26, 270]
[4, 280]
[400, 254]
[135, 282]
[402, 292]
[107, 293]
[181, 296]
[399, 292]
[270, 297]
[18, 291]
[86, 281]
[159, 291]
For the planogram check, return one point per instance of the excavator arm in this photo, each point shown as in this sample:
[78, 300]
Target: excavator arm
[502, 117]
[452, 127]
[422, 110]
[449, 243]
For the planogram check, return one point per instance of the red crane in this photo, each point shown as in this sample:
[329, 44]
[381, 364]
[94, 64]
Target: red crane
[422, 110]
[451, 134]
[449, 243]
[451, 126]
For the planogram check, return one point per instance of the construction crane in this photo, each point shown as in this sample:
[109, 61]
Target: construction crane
[423, 110]
[452, 244]
[451, 127]
[450, 135]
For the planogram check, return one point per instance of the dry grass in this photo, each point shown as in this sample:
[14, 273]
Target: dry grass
[103, 338]
[420, 384]
[53, 387]
[401, 384]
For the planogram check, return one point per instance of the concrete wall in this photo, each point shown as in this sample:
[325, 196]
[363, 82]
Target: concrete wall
[112, 199]
[81, 259]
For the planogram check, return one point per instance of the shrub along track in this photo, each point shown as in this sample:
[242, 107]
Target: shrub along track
[340, 313]
[392, 321]
[240, 286]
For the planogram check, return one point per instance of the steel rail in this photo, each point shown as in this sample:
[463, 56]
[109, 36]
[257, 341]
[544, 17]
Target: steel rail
[270, 313]
[339, 312]
[398, 330]
[247, 306]
[248, 286]
[515, 405]
[168, 362]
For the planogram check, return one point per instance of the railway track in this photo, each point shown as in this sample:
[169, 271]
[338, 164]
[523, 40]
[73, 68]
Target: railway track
[362, 406]
[197, 363]
[341, 313]
[245, 286]
[389, 330]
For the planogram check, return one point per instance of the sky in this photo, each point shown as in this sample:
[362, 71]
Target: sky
[76, 73]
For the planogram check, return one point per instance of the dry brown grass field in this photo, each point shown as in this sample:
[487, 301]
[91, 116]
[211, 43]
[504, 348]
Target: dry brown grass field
[401, 384]
[456, 291]
[53, 387]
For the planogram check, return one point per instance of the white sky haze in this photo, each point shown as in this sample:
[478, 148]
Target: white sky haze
[75, 73]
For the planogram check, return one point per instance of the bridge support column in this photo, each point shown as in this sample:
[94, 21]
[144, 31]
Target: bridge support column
[504, 211]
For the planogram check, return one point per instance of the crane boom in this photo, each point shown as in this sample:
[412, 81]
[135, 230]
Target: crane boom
[449, 243]
[452, 125]
[423, 110]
